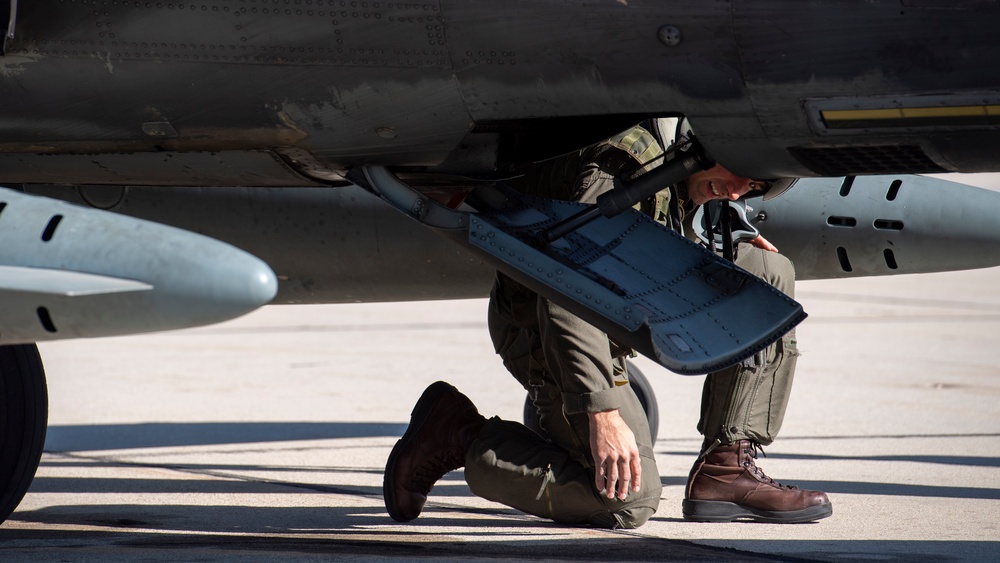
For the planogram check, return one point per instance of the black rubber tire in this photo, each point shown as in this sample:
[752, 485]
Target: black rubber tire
[642, 390]
[24, 411]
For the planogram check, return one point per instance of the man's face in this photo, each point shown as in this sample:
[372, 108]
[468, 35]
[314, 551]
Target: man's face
[718, 183]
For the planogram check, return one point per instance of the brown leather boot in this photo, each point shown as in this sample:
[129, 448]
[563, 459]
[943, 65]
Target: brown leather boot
[443, 425]
[725, 484]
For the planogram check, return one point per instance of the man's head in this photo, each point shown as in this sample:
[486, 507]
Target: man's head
[719, 183]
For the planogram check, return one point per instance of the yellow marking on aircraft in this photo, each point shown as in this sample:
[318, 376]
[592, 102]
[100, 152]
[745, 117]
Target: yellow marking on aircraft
[838, 115]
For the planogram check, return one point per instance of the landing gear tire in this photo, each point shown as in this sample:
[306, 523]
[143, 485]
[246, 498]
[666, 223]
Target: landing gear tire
[24, 410]
[642, 390]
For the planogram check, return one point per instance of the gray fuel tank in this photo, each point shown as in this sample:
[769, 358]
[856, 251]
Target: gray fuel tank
[881, 225]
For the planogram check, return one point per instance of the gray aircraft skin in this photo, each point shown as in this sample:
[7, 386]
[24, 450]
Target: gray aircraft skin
[264, 92]
[281, 105]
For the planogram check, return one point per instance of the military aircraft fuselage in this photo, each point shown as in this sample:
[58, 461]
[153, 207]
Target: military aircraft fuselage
[275, 92]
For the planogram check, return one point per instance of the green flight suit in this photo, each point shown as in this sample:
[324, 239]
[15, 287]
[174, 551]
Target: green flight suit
[571, 368]
[748, 401]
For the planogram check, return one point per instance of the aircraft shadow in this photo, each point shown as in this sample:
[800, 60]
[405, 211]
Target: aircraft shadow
[81, 438]
[451, 485]
[228, 531]
[874, 488]
[962, 460]
[340, 532]
[898, 489]
[109, 437]
[232, 481]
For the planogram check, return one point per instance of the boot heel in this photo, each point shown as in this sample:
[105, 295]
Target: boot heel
[712, 511]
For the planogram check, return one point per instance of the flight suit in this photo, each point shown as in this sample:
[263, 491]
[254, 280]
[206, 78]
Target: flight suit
[748, 401]
[571, 368]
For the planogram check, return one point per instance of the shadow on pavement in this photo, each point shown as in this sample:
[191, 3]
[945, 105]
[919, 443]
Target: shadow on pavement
[83, 438]
[223, 531]
[451, 485]
[961, 460]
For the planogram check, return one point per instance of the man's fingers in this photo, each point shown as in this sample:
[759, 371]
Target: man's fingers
[636, 473]
[626, 476]
[610, 478]
[615, 478]
[761, 242]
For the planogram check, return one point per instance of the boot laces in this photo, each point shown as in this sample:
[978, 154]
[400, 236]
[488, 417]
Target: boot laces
[435, 467]
[750, 463]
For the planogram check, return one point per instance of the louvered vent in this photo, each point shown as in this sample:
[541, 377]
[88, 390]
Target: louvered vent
[854, 160]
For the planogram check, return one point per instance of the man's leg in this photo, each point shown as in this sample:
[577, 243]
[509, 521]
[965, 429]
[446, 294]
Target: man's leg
[508, 463]
[512, 465]
[554, 478]
[742, 409]
[443, 425]
[748, 401]
[505, 461]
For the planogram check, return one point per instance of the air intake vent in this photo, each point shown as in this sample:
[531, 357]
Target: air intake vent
[846, 161]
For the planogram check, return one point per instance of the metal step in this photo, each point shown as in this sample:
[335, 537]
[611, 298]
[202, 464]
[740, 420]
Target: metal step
[644, 285]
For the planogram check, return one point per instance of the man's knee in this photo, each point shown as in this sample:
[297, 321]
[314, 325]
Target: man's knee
[772, 267]
[621, 519]
[639, 507]
[631, 518]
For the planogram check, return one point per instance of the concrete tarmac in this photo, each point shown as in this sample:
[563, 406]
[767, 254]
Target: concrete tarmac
[266, 437]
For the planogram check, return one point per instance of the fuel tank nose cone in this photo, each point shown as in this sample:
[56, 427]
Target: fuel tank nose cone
[69, 272]
[253, 283]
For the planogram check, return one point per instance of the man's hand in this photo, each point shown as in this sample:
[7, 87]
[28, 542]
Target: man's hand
[761, 242]
[616, 455]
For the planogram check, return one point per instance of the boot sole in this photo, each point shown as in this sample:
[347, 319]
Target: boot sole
[721, 511]
[419, 415]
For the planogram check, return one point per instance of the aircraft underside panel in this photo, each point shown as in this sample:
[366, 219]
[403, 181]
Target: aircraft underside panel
[169, 168]
[646, 286]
